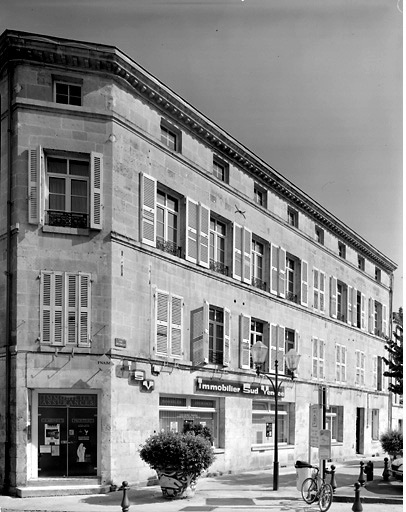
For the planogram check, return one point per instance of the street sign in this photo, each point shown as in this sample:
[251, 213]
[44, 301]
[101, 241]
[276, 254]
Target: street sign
[325, 444]
[314, 425]
[104, 363]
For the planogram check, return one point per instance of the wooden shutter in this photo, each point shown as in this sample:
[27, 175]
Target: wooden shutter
[344, 364]
[162, 322]
[322, 351]
[226, 337]
[72, 308]
[338, 361]
[333, 297]
[357, 367]
[315, 288]
[322, 284]
[192, 226]
[281, 272]
[274, 269]
[277, 346]
[304, 287]
[237, 252]
[84, 313]
[354, 307]
[315, 355]
[35, 160]
[349, 304]
[200, 335]
[247, 255]
[384, 320]
[363, 313]
[204, 234]
[148, 207]
[375, 372]
[371, 311]
[96, 190]
[273, 347]
[52, 308]
[245, 342]
[176, 316]
[379, 372]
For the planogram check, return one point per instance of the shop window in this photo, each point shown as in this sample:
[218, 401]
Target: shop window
[220, 169]
[335, 423]
[169, 324]
[293, 217]
[359, 368]
[175, 412]
[210, 335]
[319, 233]
[341, 363]
[72, 191]
[171, 137]
[319, 288]
[318, 362]
[375, 424]
[68, 93]
[218, 239]
[263, 423]
[65, 308]
[258, 264]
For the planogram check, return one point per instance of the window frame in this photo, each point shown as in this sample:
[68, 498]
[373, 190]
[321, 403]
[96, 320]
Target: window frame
[286, 423]
[342, 250]
[168, 130]
[260, 192]
[361, 263]
[319, 234]
[293, 217]
[69, 83]
[166, 243]
[223, 174]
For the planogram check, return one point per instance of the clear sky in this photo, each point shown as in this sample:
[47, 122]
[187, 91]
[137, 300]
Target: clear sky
[313, 87]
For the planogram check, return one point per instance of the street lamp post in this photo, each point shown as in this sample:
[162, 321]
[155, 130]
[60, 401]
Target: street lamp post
[258, 353]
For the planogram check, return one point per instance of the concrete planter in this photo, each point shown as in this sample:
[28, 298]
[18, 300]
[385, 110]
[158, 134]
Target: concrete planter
[176, 484]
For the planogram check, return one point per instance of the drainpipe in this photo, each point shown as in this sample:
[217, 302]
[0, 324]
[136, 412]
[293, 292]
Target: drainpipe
[390, 331]
[9, 277]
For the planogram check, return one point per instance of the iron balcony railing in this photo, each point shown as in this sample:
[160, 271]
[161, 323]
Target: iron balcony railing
[67, 219]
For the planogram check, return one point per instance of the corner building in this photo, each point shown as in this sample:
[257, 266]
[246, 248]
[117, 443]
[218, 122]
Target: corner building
[144, 251]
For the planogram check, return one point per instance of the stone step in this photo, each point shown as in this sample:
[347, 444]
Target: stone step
[33, 491]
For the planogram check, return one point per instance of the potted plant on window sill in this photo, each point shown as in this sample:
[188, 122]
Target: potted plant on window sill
[179, 459]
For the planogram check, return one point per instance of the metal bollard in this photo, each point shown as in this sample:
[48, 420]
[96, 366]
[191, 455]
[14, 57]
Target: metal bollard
[385, 474]
[333, 477]
[357, 505]
[125, 502]
[369, 471]
[361, 478]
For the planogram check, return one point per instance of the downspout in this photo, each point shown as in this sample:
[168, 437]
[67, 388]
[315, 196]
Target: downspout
[9, 277]
[390, 330]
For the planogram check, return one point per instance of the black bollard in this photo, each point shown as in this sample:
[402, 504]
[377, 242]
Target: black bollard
[357, 505]
[369, 471]
[333, 477]
[361, 478]
[385, 474]
[125, 502]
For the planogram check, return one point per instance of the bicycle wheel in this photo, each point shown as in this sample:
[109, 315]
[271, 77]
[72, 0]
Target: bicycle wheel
[326, 497]
[309, 490]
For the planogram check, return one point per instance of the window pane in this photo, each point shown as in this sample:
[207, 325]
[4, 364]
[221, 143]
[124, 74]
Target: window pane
[79, 196]
[57, 165]
[57, 194]
[78, 168]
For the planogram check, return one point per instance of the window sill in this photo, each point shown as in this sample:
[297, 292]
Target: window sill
[267, 447]
[66, 231]
[218, 451]
[63, 349]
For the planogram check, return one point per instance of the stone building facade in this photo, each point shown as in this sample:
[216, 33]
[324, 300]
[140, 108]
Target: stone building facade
[144, 250]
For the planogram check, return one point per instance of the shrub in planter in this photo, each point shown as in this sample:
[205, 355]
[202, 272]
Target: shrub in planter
[392, 442]
[179, 459]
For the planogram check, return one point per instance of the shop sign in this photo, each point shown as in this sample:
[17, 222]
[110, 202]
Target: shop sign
[104, 363]
[237, 388]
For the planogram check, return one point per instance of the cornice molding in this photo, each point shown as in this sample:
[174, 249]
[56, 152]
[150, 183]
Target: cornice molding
[21, 47]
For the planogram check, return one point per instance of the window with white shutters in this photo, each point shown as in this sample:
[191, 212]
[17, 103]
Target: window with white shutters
[319, 285]
[245, 344]
[341, 363]
[277, 351]
[197, 233]
[65, 308]
[169, 322]
[65, 190]
[318, 351]
[359, 368]
[242, 253]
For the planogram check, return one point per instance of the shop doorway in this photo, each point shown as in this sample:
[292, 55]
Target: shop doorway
[67, 435]
[360, 426]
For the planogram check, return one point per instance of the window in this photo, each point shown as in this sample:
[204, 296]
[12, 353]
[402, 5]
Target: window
[220, 169]
[361, 262]
[68, 94]
[375, 424]
[72, 194]
[257, 334]
[257, 260]
[197, 233]
[263, 415]
[293, 217]
[339, 300]
[378, 274]
[260, 196]
[341, 363]
[341, 309]
[210, 335]
[176, 411]
[291, 279]
[319, 232]
[296, 280]
[342, 250]
[242, 253]
[377, 373]
[378, 323]
[167, 211]
[335, 422]
[171, 137]
[218, 233]
[319, 286]
[168, 324]
[359, 368]
[251, 331]
[290, 343]
[65, 308]
[318, 351]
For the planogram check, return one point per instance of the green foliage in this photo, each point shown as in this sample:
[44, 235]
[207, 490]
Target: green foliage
[182, 452]
[199, 430]
[392, 442]
[395, 359]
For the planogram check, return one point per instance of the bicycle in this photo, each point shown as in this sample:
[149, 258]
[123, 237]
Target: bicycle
[315, 488]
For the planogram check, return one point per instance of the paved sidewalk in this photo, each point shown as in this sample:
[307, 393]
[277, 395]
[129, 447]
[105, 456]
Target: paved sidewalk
[244, 492]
